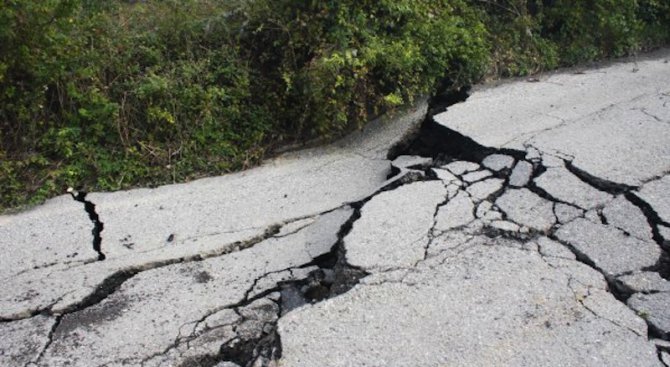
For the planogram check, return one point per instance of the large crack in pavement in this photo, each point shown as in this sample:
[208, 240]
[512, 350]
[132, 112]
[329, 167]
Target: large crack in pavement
[329, 275]
[112, 282]
[317, 276]
[98, 226]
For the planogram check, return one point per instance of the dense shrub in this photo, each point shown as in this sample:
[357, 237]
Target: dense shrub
[588, 30]
[330, 63]
[112, 94]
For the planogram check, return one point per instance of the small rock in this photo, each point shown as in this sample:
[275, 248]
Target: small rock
[527, 208]
[566, 213]
[603, 304]
[529, 246]
[456, 213]
[486, 212]
[444, 175]
[646, 282]
[563, 185]
[474, 228]
[476, 176]
[622, 214]
[532, 154]
[329, 276]
[226, 364]
[505, 226]
[492, 215]
[483, 208]
[665, 357]
[407, 176]
[655, 193]
[483, 189]
[549, 247]
[498, 162]
[653, 308]
[550, 161]
[453, 190]
[521, 174]
[460, 167]
[407, 161]
[593, 216]
[609, 248]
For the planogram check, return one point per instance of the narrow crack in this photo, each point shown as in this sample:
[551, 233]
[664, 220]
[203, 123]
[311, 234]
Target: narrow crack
[98, 226]
[431, 234]
[50, 339]
[644, 111]
[114, 281]
[596, 314]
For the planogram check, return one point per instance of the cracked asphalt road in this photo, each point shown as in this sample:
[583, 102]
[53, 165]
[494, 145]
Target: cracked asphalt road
[534, 229]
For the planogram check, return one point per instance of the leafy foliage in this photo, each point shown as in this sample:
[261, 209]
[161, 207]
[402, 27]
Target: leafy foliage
[109, 95]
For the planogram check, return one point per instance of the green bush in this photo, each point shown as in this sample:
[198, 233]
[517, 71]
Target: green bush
[589, 30]
[528, 36]
[516, 36]
[331, 63]
[112, 94]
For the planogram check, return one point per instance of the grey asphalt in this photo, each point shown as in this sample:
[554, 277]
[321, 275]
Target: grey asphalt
[551, 249]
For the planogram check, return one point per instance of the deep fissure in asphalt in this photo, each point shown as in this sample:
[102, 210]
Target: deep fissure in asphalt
[98, 226]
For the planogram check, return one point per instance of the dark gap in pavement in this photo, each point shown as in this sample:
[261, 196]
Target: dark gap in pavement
[432, 140]
[654, 220]
[443, 144]
[253, 352]
[345, 276]
[597, 182]
[98, 226]
[662, 266]
[108, 286]
[333, 277]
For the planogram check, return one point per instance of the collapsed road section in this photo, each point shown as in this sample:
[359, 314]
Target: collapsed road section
[517, 253]
[537, 244]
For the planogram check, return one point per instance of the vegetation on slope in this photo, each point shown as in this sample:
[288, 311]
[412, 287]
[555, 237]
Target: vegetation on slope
[112, 94]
